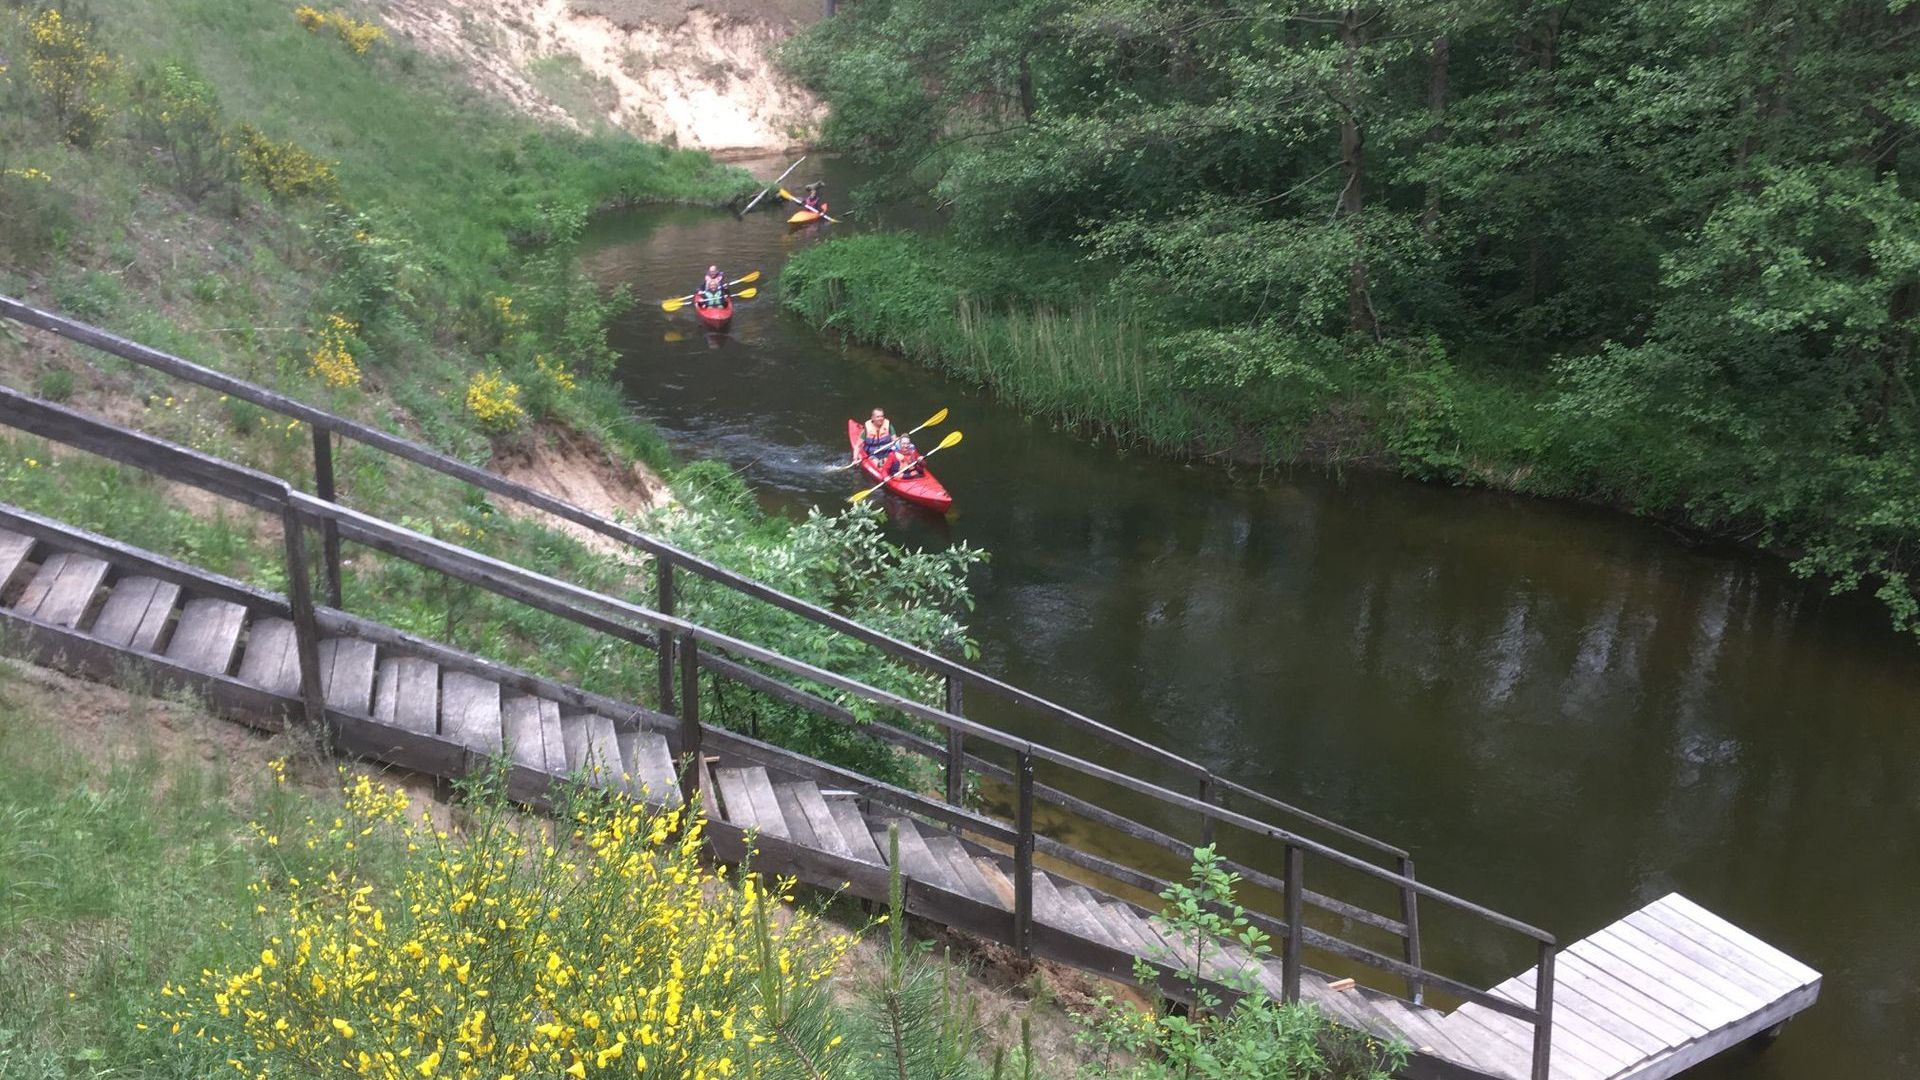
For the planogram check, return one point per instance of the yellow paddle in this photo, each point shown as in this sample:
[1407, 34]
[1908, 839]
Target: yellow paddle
[950, 440]
[801, 203]
[679, 302]
[936, 418]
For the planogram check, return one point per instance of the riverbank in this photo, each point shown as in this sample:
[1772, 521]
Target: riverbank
[1057, 338]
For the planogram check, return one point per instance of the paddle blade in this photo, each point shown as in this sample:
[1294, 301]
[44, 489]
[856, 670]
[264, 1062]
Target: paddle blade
[672, 305]
[746, 294]
[936, 418]
[950, 440]
[755, 276]
[785, 194]
[859, 495]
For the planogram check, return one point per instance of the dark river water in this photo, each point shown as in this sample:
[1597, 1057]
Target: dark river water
[1562, 713]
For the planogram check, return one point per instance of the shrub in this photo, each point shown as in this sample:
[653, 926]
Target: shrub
[495, 403]
[67, 70]
[178, 113]
[359, 35]
[498, 951]
[286, 169]
[331, 361]
[34, 214]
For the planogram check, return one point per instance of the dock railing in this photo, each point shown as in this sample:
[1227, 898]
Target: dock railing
[682, 649]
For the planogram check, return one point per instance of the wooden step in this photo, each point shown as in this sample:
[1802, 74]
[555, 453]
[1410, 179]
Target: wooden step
[1051, 906]
[799, 827]
[1082, 897]
[136, 612]
[271, 661]
[650, 775]
[747, 800]
[346, 675]
[407, 694]
[206, 634]
[960, 865]
[997, 879]
[802, 802]
[854, 830]
[1418, 1024]
[593, 753]
[1121, 919]
[63, 590]
[14, 550]
[470, 712]
[917, 861]
[530, 722]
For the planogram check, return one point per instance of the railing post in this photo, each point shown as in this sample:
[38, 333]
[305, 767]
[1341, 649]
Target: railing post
[1543, 1006]
[1023, 856]
[1206, 822]
[1290, 949]
[306, 632]
[663, 603]
[1410, 915]
[956, 747]
[329, 529]
[690, 714]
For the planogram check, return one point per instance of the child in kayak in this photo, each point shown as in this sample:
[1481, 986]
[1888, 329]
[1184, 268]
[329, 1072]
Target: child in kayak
[713, 289]
[816, 199]
[904, 462]
[876, 435]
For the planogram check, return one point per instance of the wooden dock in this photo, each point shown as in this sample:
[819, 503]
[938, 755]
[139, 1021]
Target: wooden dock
[1662, 989]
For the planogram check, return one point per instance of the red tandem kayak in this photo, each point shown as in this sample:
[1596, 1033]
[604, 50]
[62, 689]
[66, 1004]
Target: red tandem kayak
[716, 318]
[922, 489]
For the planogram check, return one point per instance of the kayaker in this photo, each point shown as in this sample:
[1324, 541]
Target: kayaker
[816, 199]
[713, 288]
[904, 463]
[876, 435]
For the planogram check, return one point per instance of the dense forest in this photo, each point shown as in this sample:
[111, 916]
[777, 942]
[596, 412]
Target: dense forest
[1658, 255]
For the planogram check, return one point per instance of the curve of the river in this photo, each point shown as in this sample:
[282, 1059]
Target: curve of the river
[1563, 713]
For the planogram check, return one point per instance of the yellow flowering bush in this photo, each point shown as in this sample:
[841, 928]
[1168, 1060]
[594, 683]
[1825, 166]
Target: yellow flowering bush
[331, 361]
[286, 168]
[359, 35]
[66, 69]
[603, 947]
[495, 403]
[555, 373]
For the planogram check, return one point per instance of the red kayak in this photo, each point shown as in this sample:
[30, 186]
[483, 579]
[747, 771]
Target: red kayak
[922, 489]
[716, 318]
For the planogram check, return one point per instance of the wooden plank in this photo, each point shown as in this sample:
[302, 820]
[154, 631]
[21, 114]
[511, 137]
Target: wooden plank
[997, 880]
[1763, 983]
[799, 829]
[470, 712]
[1492, 1052]
[964, 874]
[63, 590]
[1714, 929]
[1734, 1035]
[526, 733]
[649, 767]
[206, 634]
[736, 803]
[346, 675]
[757, 787]
[136, 612]
[14, 549]
[407, 694]
[1619, 1042]
[1651, 984]
[269, 660]
[1421, 1027]
[813, 808]
[1508, 1041]
[854, 830]
[1575, 973]
[1677, 961]
[603, 747]
[917, 861]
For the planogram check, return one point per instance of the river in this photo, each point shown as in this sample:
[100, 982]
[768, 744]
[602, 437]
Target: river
[1563, 713]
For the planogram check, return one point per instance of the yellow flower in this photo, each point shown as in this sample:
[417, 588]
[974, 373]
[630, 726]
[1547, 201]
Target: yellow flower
[345, 1029]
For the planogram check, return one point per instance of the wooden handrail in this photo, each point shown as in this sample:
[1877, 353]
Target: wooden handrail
[322, 421]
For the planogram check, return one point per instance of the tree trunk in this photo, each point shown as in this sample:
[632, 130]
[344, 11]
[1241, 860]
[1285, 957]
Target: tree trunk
[1437, 110]
[1353, 168]
[1027, 103]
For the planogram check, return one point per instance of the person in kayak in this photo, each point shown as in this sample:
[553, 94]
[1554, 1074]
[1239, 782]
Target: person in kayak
[876, 435]
[904, 462]
[713, 289]
[816, 199]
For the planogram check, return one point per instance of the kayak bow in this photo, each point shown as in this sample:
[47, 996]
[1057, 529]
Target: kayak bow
[716, 318]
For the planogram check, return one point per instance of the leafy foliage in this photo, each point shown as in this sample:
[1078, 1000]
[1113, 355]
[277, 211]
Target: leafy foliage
[1653, 254]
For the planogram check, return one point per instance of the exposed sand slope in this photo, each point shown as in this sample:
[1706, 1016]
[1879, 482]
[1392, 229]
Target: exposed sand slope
[698, 77]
